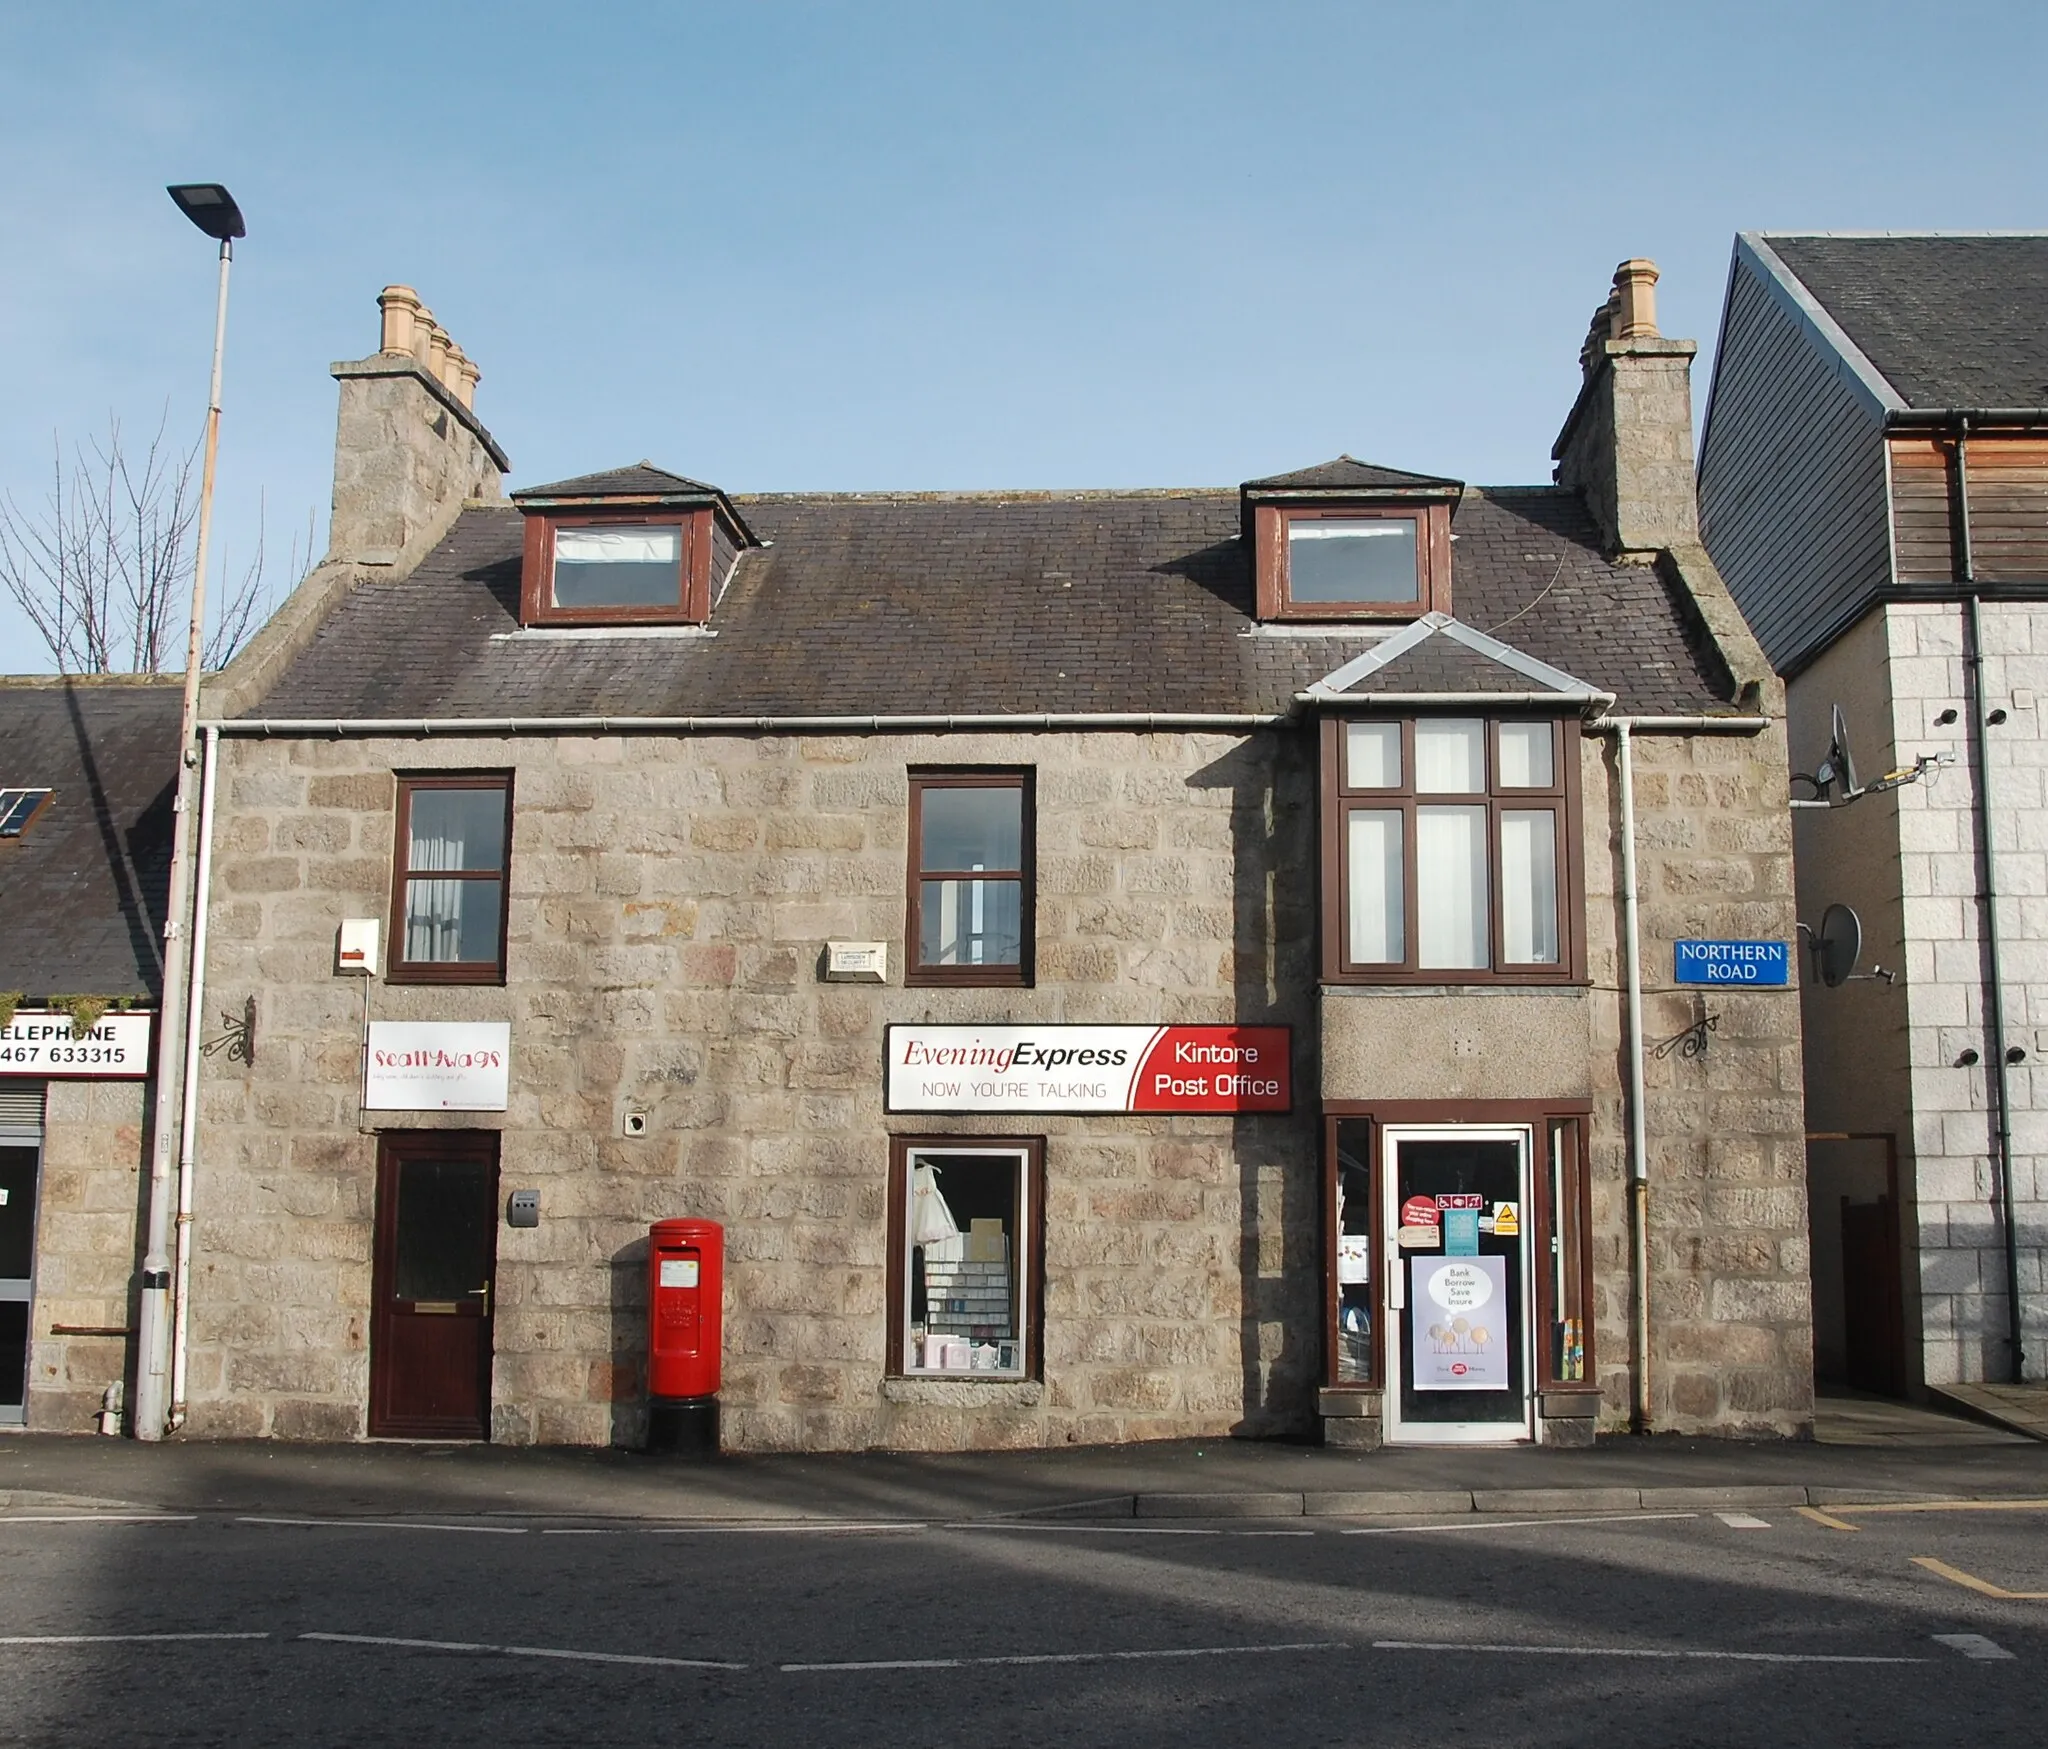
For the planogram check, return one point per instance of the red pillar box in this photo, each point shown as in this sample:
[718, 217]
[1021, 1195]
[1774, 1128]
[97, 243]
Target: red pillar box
[685, 1334]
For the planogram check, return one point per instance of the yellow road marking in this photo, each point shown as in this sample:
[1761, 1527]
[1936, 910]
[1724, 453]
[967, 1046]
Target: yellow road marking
[1956, 1576]
[1820, 1517]
[1947, 1506]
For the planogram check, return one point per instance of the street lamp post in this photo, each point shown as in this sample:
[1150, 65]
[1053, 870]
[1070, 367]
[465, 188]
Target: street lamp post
[209, 206]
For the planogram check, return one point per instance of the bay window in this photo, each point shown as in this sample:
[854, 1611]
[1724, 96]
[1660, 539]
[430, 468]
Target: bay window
[1449, 850]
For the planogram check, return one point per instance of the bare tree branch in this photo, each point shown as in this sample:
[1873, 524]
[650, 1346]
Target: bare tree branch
[103, 570]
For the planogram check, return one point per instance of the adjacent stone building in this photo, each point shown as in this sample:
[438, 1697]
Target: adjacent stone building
[1874, 484]
[87, 772]
[1117, 965]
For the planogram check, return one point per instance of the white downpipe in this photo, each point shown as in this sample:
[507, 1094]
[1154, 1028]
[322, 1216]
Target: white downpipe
[1638, 1141]
[188, 1094]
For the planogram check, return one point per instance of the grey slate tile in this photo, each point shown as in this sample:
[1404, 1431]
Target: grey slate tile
[976, 603]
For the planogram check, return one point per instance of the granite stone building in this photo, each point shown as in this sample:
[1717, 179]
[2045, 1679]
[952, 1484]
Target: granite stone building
[1117, 964]
[1874, 485]
[87, 771]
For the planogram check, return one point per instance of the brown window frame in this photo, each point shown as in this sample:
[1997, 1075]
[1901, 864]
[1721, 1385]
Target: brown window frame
[1020, 975]
[1562, 795]
[1432, 560]
[897, 1272]
[1546, 1119]
[397, 968]
[537, 569]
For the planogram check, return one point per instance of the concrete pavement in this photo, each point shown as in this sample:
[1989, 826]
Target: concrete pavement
[1943, 1457]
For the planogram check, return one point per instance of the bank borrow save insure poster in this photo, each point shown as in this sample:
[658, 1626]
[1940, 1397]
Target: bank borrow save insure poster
[1461, 1334]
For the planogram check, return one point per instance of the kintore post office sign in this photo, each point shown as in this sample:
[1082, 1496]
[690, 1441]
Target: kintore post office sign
[44, 1043]
[437, 1065]
[1090, 1068]
[1732, 962]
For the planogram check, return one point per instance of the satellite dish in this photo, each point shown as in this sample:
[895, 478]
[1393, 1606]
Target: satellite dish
[1838, 946]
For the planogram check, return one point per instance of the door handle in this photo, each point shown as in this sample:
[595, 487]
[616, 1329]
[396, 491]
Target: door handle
[485, 1290]
[1397, 1280]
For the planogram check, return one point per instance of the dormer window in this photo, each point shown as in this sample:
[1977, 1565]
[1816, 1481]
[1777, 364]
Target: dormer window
[605, 565]
[634, 547]
[1348, 540]
[1347, 557]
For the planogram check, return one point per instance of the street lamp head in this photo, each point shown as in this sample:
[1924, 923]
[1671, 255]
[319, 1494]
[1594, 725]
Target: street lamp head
[210, 207]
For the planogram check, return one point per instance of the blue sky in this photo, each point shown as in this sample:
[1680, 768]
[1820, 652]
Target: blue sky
[838, 246]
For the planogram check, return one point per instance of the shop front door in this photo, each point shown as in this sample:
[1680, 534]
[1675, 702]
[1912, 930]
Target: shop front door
[437, 1249]
[1458, 1360]
[17, 1257]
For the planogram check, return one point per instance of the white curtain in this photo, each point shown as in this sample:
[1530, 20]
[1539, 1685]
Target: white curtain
[618, 546]
[1450, 756]
[433, 909]
[1372, 755]
[1528, 887]
[1451, 922]
[1525, 756]
[1378, 921]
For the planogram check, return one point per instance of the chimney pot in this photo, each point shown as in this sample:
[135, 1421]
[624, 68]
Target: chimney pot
[399, 308]
[423, 326]
[1635, 286]
[436, 360]
[451, 370]
[471, 376]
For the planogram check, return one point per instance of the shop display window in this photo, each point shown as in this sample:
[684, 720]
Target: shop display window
[965, 1224]
[1354, 1360]
[1569, 1356]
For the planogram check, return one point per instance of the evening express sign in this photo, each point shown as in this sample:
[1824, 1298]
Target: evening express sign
[1089, 1068]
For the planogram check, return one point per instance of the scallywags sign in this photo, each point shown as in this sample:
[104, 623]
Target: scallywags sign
[437, 1065]
[46, 1043]
[1089, 1068]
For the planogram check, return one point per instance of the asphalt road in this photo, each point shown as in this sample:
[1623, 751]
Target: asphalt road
[1663, 1628]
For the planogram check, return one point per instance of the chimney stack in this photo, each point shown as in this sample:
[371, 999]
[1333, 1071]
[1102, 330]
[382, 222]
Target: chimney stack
[1627, 445]
[408, 449]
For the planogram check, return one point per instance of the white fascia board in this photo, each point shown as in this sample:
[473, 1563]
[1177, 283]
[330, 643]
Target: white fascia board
[1338, 683]
[1340, 680]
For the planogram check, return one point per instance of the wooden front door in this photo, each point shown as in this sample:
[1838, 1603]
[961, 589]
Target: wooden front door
[437, 1257]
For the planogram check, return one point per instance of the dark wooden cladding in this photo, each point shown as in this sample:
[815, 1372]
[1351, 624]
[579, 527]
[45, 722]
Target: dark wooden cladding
[2008, 485]
[1792, 485]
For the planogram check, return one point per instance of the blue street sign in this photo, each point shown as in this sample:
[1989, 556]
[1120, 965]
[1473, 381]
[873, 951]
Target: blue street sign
[1733, 962]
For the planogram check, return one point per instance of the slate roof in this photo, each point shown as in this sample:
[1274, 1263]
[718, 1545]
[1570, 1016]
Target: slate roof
[83, 890]
[1347, 471]
[1953, 323]
[641, 480]
[987, 603]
